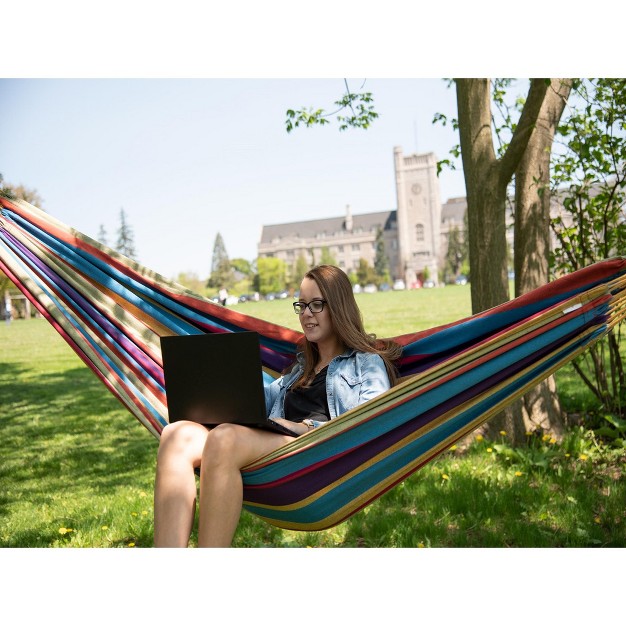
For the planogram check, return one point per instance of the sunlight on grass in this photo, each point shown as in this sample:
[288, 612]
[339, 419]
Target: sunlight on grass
[76, 470]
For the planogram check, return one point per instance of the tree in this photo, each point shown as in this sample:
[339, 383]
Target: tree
[327, 258]
[360, 105]
[271, 275]
[365, 273]
[486, 181]
[20, 192]
[15, 192]
[243, 267]
[299, 269]
[191, 281]
[589, 176]
[221, 270]
[102, 235]
[540, 407]
[456, 254]
[381, 261]
[125, 243]
[487, 177]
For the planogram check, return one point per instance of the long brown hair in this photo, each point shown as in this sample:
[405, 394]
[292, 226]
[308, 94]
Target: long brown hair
[347, 323]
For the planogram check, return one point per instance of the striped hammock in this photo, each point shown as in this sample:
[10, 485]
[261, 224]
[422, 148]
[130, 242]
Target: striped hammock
[112, 311]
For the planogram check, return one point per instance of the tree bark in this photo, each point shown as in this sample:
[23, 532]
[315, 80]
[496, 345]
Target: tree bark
[540, 408]
[486, 180]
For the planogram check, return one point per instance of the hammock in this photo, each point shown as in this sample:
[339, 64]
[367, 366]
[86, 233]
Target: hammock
[112, 311]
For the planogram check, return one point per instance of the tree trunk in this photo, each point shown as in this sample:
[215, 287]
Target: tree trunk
[486, 181]
[539, 408]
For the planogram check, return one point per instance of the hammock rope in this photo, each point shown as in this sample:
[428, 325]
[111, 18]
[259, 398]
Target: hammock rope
[112, 312]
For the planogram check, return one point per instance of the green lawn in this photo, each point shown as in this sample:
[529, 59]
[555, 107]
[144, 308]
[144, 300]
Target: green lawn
[77, 470]
[387, 314]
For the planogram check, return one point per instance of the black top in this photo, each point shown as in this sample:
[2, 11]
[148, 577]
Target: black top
[308, 402]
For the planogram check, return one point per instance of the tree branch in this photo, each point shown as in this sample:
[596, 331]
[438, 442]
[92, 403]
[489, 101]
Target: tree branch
[525, 127]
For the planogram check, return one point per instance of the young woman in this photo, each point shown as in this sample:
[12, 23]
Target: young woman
[340, 366]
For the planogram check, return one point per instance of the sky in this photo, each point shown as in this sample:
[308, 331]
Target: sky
[189, 158]
[178, 117]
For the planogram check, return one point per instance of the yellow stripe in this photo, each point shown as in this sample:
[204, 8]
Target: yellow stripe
[373, 492]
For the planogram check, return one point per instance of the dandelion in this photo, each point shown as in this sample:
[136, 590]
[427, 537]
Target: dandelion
[529, 433]
[134, 514]
[452, 447]
[105, 528]
[479, 437]
[131, 544]
[503, 432]
[445, 477]
[597, 519]
[552, 440]
[567, 455]
[64, 531]
[545, 438]
[420, 544]
[490, 450]
[518, 473]
[583, 457]
[144, 512]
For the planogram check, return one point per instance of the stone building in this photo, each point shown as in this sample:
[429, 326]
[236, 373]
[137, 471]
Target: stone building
[415, 233]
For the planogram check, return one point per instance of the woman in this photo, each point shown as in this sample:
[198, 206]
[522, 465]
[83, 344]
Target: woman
[340, 367]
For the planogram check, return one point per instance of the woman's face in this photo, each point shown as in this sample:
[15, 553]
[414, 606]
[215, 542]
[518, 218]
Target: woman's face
[317, 327]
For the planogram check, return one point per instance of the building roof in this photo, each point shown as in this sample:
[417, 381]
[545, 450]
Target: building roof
[310, 229]
[454, 210]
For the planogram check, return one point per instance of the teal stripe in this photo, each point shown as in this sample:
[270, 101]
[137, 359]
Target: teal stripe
[411, 408]
[369, 477]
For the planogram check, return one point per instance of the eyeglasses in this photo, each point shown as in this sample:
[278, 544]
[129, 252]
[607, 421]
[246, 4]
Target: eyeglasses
[315, 306]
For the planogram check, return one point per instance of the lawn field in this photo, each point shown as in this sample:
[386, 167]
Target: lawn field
[77, 470]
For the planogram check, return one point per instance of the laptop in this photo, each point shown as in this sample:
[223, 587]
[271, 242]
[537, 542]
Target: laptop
[216, 378]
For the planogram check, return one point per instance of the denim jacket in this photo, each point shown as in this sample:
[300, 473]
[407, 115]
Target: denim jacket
[352, 379]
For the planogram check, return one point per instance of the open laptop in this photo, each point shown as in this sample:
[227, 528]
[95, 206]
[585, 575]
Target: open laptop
[216, 378]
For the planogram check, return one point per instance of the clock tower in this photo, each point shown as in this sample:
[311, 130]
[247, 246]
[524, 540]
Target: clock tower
[418, 215]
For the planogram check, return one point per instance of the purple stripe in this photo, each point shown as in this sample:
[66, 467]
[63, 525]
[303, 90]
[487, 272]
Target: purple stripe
[63, 287]
[316, 480]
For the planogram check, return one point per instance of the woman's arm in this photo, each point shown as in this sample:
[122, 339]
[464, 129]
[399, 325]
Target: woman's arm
[374, 377]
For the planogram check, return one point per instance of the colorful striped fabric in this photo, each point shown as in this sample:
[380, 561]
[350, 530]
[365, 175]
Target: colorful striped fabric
[112, 311]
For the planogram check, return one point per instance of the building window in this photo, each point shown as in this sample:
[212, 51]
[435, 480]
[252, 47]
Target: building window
[419, 232]
[356, 247]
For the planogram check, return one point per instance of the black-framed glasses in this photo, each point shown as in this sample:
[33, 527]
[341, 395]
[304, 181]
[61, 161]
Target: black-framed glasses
[315, 306]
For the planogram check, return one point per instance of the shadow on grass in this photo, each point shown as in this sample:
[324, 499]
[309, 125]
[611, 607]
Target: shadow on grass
[544, 510]
[56, 432]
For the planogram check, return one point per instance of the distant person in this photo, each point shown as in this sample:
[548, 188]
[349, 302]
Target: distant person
[223, 295]
[7, 308]
[339, 367]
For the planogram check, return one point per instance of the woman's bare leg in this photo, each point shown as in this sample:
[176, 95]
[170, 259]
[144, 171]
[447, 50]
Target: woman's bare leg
[228, 448]
[180, 452]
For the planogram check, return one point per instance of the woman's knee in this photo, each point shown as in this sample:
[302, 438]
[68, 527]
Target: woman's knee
[182, 437]
[222, 445]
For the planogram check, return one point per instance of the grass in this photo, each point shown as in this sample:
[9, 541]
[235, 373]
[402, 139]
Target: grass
[77, 470]
[387, 314]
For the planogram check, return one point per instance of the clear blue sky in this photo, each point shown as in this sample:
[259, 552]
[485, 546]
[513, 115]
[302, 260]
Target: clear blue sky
[187, 159]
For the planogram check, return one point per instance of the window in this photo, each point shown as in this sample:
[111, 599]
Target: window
[419, 232]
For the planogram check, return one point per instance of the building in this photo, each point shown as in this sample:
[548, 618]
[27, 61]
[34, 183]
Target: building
[415, 233]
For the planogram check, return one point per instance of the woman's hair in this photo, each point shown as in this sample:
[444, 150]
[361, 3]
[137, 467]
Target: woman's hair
[347, 322]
